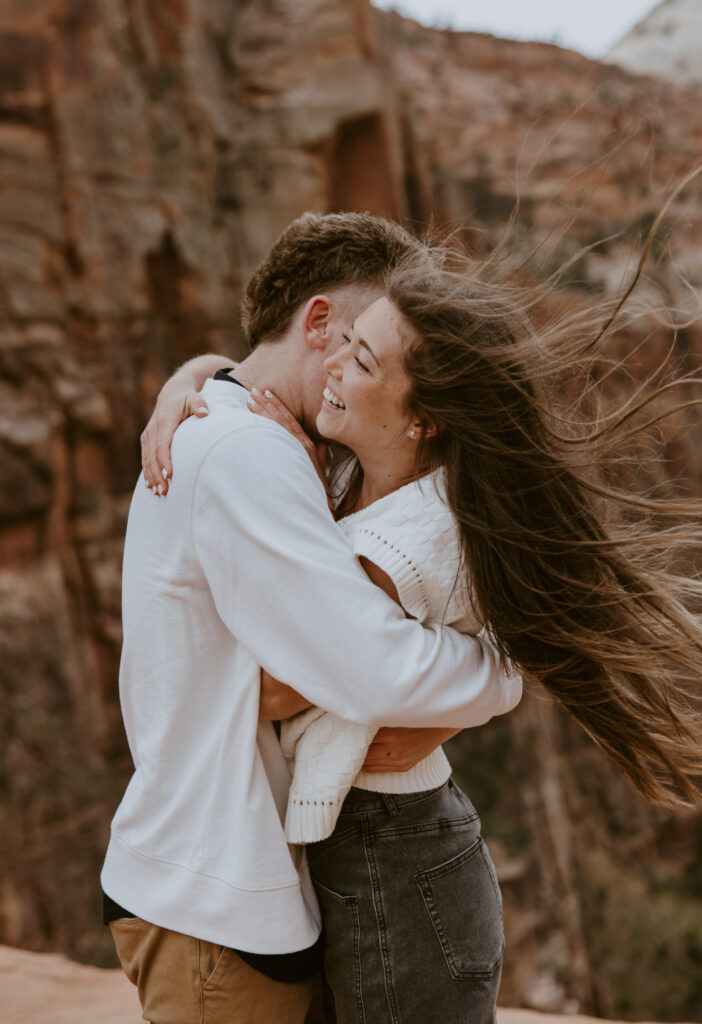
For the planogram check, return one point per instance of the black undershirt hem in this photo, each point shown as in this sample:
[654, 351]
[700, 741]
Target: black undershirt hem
[287, 967]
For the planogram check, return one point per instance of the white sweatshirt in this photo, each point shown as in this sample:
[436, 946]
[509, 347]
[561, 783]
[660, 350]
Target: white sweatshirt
[240, 566]
[410, 534]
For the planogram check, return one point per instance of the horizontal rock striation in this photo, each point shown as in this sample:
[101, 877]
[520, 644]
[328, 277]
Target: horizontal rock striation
[149, 153]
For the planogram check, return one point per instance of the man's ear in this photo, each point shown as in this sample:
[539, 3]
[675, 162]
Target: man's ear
[316, 321]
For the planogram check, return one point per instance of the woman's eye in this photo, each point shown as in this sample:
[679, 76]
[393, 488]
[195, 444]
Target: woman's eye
[347, 341]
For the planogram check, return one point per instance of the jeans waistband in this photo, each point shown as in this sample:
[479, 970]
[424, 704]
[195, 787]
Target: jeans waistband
[359, 800]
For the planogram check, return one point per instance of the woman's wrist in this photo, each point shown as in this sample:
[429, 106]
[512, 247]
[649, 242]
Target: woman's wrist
[192, 375]
[278, 700]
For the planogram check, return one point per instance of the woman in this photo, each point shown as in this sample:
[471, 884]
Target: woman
[443, 382]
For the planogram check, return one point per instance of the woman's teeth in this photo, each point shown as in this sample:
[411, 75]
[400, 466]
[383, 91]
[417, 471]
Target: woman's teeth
[333, 399]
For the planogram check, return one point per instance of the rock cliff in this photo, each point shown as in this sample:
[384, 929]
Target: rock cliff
[148, 155]
[666, 42]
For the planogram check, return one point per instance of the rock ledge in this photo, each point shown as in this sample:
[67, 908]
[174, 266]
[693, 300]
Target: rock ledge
[45, 988]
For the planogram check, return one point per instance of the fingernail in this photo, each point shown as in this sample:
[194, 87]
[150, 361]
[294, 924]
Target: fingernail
[250, 402]
[255, 391]
[268, 394]
[160, 490]
[164, 473]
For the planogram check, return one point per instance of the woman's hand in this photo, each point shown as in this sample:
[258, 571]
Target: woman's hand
[278, 700]
[156, 439]
[265, 403]
[177, 400]
[399, 749]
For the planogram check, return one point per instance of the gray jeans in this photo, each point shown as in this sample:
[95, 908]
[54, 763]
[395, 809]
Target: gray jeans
[412, 910]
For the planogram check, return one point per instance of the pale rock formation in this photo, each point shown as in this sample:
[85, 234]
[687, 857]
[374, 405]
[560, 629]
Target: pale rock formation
[149, 154]
[667, 42]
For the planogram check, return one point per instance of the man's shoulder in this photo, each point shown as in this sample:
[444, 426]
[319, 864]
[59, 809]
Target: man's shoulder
[247, 436]
[256, 473]
[226, 428]
[235, 448]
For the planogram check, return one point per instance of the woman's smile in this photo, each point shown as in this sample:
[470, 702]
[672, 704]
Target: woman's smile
[332, 399]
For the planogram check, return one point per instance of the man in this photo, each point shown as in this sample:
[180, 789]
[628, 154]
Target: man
[242, 567]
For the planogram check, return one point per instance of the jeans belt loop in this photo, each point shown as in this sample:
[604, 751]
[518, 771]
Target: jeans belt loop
[390, 805]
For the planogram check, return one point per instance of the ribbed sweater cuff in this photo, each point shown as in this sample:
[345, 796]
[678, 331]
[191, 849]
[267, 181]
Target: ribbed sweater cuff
[309, 821]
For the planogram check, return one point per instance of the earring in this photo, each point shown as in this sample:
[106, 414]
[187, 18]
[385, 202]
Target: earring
[412, 433]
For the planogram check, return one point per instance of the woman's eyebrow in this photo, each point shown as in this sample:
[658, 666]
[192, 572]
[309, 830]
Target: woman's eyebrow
[365, 344]
[369, 349]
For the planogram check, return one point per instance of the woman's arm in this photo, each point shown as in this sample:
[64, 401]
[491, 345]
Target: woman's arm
[177, 400]
[278, 701]
[393, 749]
[399, 748]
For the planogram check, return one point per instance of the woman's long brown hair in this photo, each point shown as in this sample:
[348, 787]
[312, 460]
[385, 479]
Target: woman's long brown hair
[579, 582]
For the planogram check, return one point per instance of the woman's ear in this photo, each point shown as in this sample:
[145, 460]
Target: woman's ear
[422, 428]
[316, 317]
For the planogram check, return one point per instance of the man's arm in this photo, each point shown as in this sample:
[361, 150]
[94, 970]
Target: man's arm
[288, 587]
[398, 749]
[395, 749]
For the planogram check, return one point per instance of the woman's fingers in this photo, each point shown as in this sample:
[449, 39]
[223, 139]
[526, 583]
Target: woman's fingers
[265, 403]
[149, 461]
[195, 405]
[158, 435]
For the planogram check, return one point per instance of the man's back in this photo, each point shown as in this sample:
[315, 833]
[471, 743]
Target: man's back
[197, 842]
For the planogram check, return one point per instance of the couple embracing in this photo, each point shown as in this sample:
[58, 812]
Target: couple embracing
[390, 586]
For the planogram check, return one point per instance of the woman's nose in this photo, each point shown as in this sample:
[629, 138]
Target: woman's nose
[331, 365]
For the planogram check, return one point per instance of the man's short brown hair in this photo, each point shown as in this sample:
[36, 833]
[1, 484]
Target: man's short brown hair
[317, 252]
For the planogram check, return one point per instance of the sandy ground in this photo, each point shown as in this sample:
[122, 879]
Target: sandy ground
[44, 988]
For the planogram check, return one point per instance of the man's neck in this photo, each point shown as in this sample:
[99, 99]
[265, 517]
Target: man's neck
[272, 366]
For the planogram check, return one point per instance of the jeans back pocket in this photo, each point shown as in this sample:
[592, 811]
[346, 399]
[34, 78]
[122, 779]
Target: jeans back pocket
[463, 901]
[342, 954]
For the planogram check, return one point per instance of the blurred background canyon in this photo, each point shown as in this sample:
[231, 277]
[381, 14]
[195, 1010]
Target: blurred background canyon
[149, 154]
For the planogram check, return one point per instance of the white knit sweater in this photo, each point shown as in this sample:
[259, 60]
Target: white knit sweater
[412, 536]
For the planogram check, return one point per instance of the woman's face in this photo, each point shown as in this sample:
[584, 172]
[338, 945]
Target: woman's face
[365, 399]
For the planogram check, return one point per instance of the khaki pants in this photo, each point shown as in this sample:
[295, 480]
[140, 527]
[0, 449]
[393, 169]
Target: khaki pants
[182, 980]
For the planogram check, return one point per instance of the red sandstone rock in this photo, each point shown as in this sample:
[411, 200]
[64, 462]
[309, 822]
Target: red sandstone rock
[148, 155]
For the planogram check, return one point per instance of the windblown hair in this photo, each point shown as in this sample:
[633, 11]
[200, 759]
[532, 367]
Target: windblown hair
[315, 253]
[578, 582]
